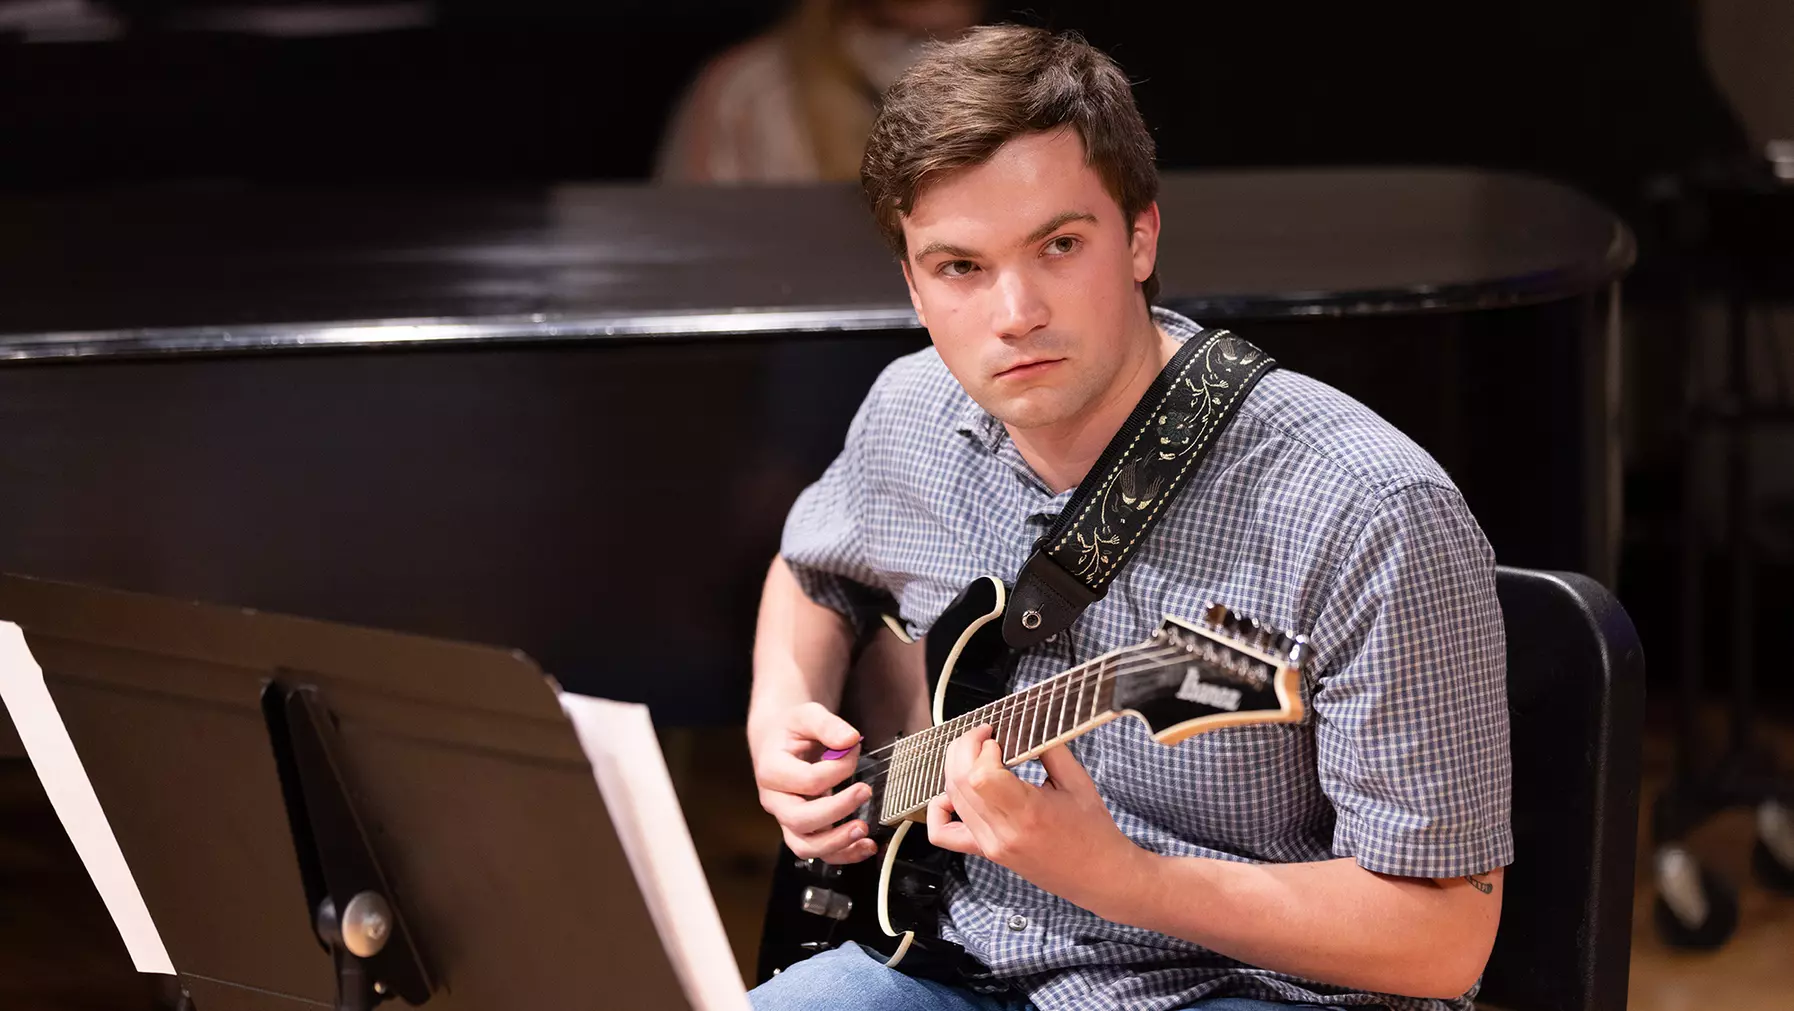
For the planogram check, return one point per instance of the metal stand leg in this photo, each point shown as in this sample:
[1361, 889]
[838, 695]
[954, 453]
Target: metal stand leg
[1696, 908]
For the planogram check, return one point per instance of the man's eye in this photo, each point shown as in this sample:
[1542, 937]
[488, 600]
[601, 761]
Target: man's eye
[956, 268]
[1063, 244]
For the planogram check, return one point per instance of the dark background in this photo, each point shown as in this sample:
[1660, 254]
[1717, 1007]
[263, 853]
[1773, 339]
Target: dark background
[1611, 97]
[1602, 94]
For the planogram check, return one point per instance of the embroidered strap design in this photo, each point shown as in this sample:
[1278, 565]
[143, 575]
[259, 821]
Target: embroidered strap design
[1144, 467]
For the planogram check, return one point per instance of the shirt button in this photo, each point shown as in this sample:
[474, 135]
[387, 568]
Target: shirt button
[1018, 922]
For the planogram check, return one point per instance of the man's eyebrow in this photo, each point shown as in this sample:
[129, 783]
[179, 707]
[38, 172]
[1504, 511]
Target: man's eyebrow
[943, 247]
[1059, 221]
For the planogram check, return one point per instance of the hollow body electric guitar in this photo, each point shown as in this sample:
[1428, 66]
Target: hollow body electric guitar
[1189, 677]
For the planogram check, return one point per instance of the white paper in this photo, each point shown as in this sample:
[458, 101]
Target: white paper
[618, 739]
[53, 755]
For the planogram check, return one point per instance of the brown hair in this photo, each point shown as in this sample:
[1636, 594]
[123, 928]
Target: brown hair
[965, 99]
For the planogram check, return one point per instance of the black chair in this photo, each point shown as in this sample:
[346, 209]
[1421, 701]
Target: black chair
[1575, 679]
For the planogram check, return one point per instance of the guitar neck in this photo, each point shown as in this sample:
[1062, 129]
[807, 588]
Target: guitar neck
[1024, 724]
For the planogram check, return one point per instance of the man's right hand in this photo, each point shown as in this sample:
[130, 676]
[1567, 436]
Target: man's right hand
[794, 785]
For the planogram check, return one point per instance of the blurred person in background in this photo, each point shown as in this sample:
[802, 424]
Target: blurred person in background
[796, 103]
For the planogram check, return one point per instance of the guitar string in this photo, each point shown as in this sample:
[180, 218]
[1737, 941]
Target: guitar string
[1063, 685]
[1126, 662]
[1066, 676]
[928, 757]
[1031, 696]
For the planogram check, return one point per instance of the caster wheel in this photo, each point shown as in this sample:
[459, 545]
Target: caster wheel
[1695, 908]
[1772, 858]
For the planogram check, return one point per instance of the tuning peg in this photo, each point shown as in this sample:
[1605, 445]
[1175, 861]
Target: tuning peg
[1260, 635]
[1298, 650]
[1215, 614]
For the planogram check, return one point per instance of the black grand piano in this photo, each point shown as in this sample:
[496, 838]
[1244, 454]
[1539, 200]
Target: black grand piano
[570, 419]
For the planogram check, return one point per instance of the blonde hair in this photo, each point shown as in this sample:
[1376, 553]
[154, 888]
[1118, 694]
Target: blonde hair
[832, 97]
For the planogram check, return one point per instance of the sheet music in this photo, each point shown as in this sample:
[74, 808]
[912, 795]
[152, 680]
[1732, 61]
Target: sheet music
[618, 739]
[46, 740]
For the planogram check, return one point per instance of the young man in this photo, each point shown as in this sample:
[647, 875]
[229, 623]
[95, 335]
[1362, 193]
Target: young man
[1355, 858]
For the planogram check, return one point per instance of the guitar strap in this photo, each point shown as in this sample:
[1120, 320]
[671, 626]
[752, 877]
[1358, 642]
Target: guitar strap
[1148, 462]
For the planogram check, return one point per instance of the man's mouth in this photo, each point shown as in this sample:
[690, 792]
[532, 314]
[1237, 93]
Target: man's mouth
[1028, 368]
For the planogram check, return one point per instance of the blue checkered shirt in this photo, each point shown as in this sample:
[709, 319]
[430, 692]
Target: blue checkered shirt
[1311, 513]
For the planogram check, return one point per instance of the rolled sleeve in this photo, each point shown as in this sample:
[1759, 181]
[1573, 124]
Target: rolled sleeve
[1410, 703]
[824, 543]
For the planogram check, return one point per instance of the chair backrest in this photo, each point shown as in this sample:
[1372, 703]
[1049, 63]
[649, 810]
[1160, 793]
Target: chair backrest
[1575, 677]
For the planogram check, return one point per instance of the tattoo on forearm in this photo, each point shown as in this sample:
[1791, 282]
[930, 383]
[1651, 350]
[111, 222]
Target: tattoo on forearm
[1479, 884]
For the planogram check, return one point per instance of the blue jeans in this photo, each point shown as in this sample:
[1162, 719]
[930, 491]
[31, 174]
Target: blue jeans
[848, 977]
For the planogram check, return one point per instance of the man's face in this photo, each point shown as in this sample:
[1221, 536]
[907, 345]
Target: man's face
[1026, 276]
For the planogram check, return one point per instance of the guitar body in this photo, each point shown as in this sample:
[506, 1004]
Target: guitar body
[964, 653]
[1191, 676]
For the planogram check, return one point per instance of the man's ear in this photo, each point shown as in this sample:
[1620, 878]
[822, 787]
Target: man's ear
[1144, 242]
[915, 299]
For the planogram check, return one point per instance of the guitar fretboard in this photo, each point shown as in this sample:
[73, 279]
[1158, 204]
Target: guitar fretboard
[1024, 724]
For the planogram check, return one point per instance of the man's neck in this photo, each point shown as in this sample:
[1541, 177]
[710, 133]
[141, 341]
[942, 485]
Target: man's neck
[1062, 454]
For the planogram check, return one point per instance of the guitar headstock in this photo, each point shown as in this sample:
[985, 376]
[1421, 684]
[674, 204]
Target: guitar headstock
[1218, 670]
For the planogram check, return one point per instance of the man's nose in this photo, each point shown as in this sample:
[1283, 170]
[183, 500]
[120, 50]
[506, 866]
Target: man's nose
[1019, 309]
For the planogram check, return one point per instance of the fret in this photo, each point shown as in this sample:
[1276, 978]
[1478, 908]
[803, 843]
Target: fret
[910, 767]
[926, 780]
[1075, 690]
[937, 765]
[1023, 713]
[896, 784]
[1061, 696]
[1019, 727]
[894, 778]
[1006, 728]
[918, 777]
[1092, 681]
[912, 772]
[1068, 709]
[1056, 709]
[919, 774]
[1034, 721]
[937, 756]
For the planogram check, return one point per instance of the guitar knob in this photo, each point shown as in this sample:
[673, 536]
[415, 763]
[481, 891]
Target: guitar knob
[818, 867]
[814, 947]
[825, 902]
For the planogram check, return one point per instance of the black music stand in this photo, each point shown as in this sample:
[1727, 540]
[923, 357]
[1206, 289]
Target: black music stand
[276, 784]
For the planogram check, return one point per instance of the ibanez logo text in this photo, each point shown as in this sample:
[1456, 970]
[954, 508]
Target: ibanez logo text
[1195, 689]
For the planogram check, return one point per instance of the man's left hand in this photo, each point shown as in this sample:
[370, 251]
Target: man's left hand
[1058, 835]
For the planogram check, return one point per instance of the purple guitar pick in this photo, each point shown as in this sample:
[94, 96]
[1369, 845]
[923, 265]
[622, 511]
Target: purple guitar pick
[834, 753]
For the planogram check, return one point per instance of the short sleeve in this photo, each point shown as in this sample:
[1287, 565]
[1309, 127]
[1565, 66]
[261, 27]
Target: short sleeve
[824, 543]
[1410, 702]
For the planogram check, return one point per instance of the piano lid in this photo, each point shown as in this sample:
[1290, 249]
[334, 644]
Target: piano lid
[184, 270]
